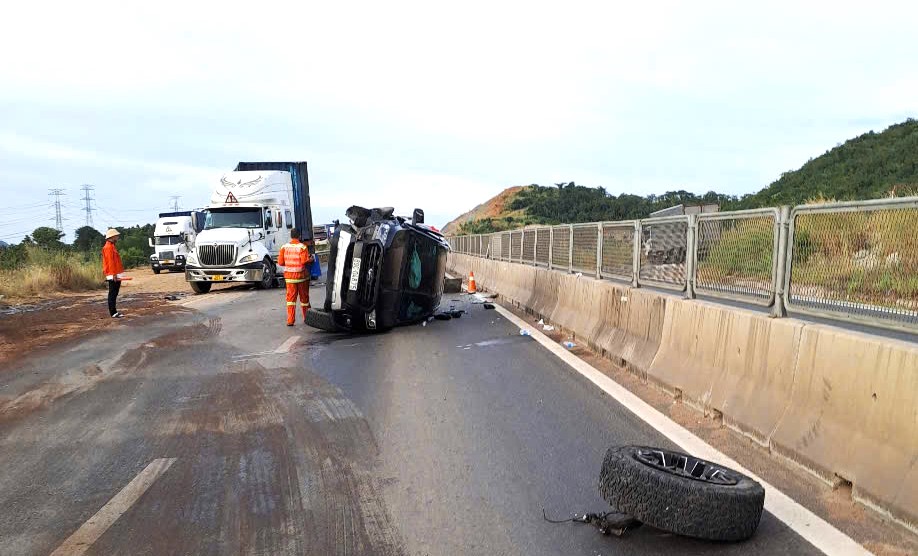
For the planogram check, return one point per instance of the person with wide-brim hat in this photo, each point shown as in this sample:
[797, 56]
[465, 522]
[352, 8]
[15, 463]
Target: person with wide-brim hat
[113, 270]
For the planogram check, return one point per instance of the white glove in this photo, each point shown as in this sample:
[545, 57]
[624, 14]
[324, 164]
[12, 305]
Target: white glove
[110, 277]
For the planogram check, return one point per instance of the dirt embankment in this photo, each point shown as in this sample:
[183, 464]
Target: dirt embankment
[36, 322]
[495, 207]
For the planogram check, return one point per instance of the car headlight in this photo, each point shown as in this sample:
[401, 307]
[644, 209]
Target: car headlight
[250, 258]
[191, 259]
[154, 258]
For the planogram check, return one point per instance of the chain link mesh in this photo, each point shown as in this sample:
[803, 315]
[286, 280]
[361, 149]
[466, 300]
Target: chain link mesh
[736, 257]
[663, 251]
[560, 248]
[516, 246]
[505, 246]
[529, 237]
[584, 252]
[618, 250]
[543, 243]
[861, 263]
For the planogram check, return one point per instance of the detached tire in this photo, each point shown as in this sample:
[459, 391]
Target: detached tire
[681, 494]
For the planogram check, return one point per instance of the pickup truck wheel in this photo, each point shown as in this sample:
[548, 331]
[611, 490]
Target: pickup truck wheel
[156, 271]
[322, 320]
[267, 277]
[200, 287]
[681, 494]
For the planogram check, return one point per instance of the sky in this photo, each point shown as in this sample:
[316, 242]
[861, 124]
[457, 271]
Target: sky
[430, 104]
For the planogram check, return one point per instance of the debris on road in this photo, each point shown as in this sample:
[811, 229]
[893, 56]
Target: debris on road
[452, 284]
[614, 523]
[681, 494]
[443, 316]
[488, 305]
[570, 345]
[524, 332]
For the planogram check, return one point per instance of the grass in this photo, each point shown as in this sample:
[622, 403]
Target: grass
[47, 272]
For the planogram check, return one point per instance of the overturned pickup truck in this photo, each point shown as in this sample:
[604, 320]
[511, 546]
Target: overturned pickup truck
[383, 271]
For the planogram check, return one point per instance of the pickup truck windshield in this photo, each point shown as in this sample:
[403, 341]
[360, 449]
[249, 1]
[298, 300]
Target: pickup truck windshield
[233, 218]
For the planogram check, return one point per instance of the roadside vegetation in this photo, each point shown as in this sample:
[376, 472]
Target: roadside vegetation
[42, 264]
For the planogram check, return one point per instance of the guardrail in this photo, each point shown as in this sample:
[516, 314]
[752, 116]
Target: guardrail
[855, 261]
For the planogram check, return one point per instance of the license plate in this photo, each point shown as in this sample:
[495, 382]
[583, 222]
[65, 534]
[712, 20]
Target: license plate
[218, 278]
[355, 275]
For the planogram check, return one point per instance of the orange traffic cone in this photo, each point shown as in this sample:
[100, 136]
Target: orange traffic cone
[472, 288]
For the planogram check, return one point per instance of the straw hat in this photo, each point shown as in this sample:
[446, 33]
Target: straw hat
[112, 233]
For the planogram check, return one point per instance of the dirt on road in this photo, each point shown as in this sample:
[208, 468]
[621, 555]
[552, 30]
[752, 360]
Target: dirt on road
[35, 323]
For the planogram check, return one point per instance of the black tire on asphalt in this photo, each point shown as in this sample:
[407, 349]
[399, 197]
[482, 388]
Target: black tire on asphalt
[268, 280]
[677, 503]
[200, 287]
[321, 319]
[156, 271]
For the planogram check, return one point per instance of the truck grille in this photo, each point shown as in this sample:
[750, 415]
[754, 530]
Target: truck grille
[167, 255]
[217, 255]
[371, 254]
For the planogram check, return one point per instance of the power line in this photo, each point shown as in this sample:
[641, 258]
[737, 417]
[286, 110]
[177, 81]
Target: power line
[87, 190]
[174, 200]
[58, 219]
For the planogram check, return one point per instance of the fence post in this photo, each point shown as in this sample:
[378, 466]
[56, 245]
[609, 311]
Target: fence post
[599, 251]
[551, 246]
[636, 255]
[781, 283]
[570, 248]
[690, 248]
[535, 247]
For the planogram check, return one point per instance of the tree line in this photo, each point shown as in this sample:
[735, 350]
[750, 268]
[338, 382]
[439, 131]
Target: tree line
[133, 245]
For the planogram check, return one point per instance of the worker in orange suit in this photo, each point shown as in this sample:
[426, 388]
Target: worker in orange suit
[295, 258]
[113, 270]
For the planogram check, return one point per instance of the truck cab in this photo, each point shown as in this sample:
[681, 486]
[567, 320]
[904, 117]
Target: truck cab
[247, 221]
[173, 239]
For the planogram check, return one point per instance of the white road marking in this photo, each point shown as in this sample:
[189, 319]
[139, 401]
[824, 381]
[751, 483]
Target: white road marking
[85, 536]
[805, 523]
[285, 347]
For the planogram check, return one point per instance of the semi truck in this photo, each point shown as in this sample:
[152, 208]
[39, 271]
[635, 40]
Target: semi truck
[248, 219]
[173, 239]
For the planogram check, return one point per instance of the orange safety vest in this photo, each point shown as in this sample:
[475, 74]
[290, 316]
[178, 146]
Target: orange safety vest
[293, 257]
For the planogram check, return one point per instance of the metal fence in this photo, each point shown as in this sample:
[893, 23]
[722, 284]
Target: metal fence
[851, 261]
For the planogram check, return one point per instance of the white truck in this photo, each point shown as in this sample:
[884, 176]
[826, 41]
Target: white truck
[173, 239]
[247, 221]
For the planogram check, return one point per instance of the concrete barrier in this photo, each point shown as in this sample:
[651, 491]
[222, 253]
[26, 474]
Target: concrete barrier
[854, 414]
[842, 404]
[734, 361]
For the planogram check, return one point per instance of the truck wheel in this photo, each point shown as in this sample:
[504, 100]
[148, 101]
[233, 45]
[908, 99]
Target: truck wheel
[681, 494]
[200, 287]
[156, 271]
[321, 319]
[267, 278]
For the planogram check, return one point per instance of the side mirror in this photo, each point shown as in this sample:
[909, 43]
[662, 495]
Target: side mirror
[150, 241]
[417, 217]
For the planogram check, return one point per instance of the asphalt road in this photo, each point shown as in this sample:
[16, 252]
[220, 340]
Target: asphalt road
[448, 438]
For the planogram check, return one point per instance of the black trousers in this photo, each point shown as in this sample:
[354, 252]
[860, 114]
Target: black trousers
[114, 286]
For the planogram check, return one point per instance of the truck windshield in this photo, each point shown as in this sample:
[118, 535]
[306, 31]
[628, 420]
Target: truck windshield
[233, 218]
[166, 240]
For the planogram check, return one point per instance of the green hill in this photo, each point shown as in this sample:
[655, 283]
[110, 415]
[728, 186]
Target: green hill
[870, 166]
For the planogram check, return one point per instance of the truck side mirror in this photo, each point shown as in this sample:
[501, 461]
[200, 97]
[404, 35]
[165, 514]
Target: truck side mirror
[417, 217]
[150, 241]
